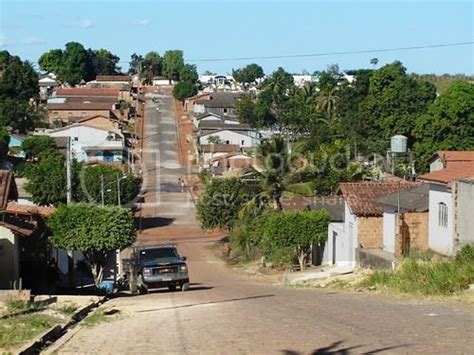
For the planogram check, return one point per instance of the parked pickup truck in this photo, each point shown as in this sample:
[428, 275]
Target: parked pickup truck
[156, 267]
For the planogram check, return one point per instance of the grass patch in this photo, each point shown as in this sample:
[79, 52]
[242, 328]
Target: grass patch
[17, 331]
[17, 306]
[427, 277]
[95, 318]
[68, 309]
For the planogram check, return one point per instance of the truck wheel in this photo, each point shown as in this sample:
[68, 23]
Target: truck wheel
[185, 286]
[172, 288]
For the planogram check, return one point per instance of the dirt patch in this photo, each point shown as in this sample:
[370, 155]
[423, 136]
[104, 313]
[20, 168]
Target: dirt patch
[185, 133]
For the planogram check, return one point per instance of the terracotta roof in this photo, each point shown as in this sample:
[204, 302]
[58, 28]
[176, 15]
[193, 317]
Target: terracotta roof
[81, 105]
[87, 92]
[445, 176]
[454, 155]
[8, 189]
[361, 196]
[219, 148]
[112, 78]
[29, 210]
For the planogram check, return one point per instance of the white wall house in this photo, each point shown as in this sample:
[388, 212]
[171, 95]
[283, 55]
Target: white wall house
[229, 137]
[90, 143]
[449, 205]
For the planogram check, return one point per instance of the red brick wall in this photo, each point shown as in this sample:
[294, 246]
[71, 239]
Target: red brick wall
[412, 232]
[370, 232]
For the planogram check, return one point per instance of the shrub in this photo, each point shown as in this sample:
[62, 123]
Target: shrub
[184, 89]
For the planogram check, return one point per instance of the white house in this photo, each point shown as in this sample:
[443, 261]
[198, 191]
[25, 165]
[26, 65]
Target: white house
[227, 136]
[91, 143]
[450, 201]
[300, 80]
[162, 81]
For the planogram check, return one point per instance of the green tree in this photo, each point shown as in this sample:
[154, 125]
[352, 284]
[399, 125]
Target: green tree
[33, 146]
[448, 124]
[20, 115]
[215, 140]
[4, 142]
[290, 235]
[275, 161]
[173, 64]
[47, 179]
[91, 185]
[74, 64]
[189, 73]
[136, 62]
[18, 80]
[221, 202]
[103, 62]
[151, 66]
[255, 112]
[248, 74]
[184, 89]
[95, 231]
[395, 100]
[51, 61]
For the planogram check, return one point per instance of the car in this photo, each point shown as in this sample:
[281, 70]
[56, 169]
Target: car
[158, 267]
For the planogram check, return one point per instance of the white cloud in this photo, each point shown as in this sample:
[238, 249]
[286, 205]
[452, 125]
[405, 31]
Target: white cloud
[141, 22]
[85, 23]
[32, 41]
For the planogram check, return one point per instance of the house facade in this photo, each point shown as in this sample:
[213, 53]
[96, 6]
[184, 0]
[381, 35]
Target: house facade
[450, 201]
[92, 144]
[226, 136]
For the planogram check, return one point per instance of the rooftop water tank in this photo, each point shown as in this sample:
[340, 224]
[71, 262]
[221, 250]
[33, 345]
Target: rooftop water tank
[398, 144]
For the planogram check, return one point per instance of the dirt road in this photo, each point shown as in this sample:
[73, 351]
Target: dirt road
[226, 312]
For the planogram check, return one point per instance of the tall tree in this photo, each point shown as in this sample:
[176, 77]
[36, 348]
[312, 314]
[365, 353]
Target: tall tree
[189, 73]
[103, 62]
[248, 74]
[173, 63]
[74, 64]
[136, 62]
[51, 61]
[448, 124]
[18, 80]
[150, 66]
[4, 142]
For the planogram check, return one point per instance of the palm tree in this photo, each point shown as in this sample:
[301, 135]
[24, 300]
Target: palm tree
[327, 100]
[274, 160]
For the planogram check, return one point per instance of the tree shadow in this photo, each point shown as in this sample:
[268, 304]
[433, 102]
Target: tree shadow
[336, 348]
[153, 222]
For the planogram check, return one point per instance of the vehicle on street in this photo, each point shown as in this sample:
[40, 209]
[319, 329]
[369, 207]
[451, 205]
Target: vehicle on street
[157, 267]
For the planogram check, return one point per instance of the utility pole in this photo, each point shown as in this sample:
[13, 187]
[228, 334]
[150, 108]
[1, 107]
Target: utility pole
[118, 190]
[68, 172]
[102, 189]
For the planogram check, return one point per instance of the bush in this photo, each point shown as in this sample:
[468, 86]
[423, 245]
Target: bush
[288, 236]
[421, 276]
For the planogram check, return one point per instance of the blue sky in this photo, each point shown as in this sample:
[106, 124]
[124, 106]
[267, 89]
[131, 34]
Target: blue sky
[229, 29]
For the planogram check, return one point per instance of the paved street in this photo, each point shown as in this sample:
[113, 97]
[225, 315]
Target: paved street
[227, 312]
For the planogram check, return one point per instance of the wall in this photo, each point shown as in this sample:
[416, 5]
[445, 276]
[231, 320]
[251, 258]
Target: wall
[350, 234]
[463, 213]
[9, 258]
[436, 165]
[101, 122]
[370, 232]
[229, 137]
[440, 238]
[389, 228]
[337, 238]
[412, 232]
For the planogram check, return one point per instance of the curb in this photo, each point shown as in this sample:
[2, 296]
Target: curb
[56, 332]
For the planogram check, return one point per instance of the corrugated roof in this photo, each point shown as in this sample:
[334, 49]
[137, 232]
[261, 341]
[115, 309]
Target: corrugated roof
[220, 100]
[112, 78]
[361, 196]
[415, 199]
[82, 105]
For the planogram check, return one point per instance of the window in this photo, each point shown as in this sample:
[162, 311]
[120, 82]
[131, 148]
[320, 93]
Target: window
[442, 214]
[243, 142]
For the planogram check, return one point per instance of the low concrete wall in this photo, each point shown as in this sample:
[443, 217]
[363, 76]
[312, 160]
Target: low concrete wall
[375, 258]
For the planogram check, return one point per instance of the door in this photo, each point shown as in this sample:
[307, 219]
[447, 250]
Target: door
[334, 245]
[108, 157]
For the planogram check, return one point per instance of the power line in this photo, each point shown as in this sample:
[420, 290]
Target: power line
[322, 54]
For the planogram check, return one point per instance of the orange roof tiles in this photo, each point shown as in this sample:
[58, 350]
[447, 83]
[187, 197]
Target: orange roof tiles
[445, 176]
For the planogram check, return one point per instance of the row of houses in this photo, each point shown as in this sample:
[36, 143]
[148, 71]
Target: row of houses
[387, 219]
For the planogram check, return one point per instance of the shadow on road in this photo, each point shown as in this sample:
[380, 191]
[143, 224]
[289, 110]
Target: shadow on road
[153, 222]
[337, 349]
[205, 303]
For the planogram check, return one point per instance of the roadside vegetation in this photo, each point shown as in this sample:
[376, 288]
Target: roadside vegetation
[426, 276]
[16, 331]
